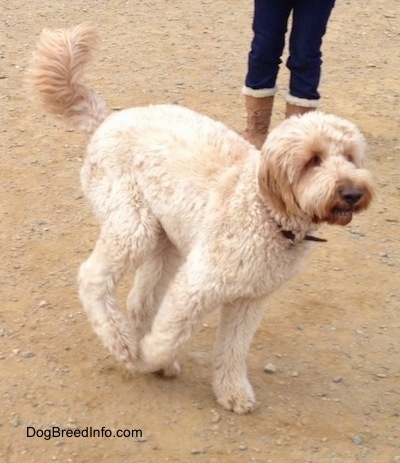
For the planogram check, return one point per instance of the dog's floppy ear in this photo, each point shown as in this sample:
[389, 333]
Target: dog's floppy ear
[276, 183]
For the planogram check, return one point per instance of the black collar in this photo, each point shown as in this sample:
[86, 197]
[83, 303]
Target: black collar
[291, 236]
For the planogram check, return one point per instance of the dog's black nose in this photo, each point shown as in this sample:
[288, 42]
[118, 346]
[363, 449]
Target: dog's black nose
[351, 195]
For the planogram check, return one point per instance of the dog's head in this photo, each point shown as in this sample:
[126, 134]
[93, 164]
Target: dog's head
[312, 167]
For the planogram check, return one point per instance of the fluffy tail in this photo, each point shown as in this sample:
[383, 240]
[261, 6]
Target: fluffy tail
[55, 73]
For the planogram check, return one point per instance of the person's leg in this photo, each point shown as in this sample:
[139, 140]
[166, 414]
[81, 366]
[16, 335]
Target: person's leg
[269, 26]
[310, 19]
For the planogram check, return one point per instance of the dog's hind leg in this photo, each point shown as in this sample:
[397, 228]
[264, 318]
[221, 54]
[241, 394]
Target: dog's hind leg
[141, 302]
[119, 245]
[238, 323]
[144, 298]
[98, 278]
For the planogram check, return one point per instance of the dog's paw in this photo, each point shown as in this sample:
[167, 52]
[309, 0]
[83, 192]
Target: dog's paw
[240, 400]
[157, 358]
[238, 403]
[170, 371]
[125, 353]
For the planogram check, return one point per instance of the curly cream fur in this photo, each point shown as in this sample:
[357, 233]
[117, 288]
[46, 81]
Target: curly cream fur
[57, 81]
[197, 212]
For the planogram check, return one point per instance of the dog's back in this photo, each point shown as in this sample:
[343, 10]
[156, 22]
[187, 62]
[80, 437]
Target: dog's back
[55, 77]
[190, 145]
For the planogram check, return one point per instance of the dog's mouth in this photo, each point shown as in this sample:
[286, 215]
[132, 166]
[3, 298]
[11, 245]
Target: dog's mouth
[351, 200]
[340, 216]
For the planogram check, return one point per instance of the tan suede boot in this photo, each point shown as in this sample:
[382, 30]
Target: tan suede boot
[259, 112]
[292, 109]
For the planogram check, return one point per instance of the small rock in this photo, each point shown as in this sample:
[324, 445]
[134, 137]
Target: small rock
[216, 417]
[28, 354]
[196, 451]
[15, 421]
[141, 439]
[337, 379]
[357, 232]
[5, 333]
[270, 368]
[243, 446]
[358, 440]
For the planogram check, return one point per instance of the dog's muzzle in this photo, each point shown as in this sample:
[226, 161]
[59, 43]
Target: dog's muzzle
[350, 200]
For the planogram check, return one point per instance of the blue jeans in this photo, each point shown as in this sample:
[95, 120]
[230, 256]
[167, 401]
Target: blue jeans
[270, 24]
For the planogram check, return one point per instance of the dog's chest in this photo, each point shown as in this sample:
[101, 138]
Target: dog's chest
[279, 262]
[254, 267]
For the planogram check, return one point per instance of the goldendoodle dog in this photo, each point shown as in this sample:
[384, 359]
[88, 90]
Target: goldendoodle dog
[205, 220]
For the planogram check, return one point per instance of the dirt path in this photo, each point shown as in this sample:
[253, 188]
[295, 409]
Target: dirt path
[333, 334]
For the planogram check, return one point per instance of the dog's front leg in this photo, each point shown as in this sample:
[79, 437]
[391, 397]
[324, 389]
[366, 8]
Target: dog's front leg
[178, 316]
[238, 323]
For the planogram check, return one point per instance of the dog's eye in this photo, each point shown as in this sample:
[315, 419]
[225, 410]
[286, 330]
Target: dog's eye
[349, 157]
[315, 161]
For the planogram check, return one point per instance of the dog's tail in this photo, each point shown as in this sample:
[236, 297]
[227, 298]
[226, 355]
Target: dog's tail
[55, 73]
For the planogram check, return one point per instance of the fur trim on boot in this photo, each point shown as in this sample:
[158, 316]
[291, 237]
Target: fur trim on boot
[299, 106]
